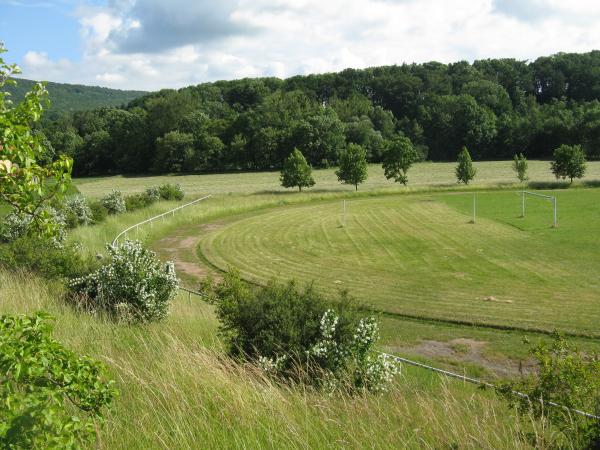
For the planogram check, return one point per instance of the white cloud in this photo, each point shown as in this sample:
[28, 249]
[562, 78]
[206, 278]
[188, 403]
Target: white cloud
[151, 44]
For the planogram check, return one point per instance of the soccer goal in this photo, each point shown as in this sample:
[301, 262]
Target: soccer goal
[526, 194]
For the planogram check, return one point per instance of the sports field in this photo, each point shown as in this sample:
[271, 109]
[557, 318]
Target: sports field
[418, 255]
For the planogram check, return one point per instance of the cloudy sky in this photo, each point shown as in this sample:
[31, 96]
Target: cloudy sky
[151, 44]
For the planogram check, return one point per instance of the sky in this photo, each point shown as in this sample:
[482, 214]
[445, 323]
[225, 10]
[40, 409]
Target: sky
[154, 44]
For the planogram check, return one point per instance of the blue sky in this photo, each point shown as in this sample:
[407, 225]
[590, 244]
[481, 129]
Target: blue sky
[151, 44]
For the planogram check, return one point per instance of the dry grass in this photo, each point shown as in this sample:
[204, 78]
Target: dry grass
[178, 390]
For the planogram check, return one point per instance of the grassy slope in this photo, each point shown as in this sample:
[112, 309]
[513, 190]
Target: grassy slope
[177, 391]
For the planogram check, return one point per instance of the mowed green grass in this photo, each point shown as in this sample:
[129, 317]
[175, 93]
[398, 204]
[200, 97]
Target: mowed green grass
[418, 255]
[421, 175]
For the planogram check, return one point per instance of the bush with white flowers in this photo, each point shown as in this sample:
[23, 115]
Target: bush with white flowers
[16, 225]
[355, 362]
[114, 202]
[78, 211]
[134, 285]
[153, 193]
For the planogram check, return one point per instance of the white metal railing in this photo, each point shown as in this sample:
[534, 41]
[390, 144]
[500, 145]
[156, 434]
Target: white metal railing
[151, 219]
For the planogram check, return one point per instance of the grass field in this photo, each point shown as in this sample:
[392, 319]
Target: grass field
[422, 175]
[418, 255]
[179, 391]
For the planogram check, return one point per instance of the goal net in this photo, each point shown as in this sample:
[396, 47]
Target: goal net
[527, 194]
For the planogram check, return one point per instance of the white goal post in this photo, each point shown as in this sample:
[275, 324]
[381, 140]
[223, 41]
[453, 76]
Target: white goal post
[535, 194]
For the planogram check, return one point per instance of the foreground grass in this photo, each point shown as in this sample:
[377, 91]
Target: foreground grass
[179, 391]
[421, 175]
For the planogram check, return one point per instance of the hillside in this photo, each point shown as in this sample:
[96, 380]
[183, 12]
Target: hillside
[76, 97]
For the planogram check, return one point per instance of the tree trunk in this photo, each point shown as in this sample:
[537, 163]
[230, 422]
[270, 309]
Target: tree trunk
[356, 187]
[299, 188]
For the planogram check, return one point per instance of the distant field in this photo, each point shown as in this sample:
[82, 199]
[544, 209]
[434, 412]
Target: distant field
[496, 173]
[419, 255]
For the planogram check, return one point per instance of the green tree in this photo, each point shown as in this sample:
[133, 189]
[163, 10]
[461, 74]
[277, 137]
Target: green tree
[520, 167]
[569, 162]
[25, 183]
[465, 171]
[398, 158]
[296, 171]
[353, 165]
[172, 151]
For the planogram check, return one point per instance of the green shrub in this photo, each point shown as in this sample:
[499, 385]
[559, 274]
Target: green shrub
[77, 212]
[99, 212]
[297, 333]
[170, 192]
[566, 377]
[44, 257]
[114, 202]
[132, 286]
[51, 397]
[138, 201]
[153, 192]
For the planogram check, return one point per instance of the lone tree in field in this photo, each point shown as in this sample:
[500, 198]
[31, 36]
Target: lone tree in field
[520, 167]
[398, 158]
[569, 162]
[296, 171]
[465, 171]
[353, 166]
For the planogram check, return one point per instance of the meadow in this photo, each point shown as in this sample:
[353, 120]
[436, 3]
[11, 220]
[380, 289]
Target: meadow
[421, 176]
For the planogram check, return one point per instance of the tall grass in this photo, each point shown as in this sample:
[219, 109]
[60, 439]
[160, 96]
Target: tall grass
[178, 390]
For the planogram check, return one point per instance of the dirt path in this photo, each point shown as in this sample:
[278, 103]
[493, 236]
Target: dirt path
[181, 248]
[469, 351]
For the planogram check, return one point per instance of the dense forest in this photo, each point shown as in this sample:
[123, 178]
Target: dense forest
[74, 97]
[495, 107]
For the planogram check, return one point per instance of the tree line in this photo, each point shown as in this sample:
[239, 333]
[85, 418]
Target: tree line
[495, 107]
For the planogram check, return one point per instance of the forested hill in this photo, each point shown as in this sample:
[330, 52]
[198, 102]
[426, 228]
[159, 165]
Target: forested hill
[495, 107]
[75, 97]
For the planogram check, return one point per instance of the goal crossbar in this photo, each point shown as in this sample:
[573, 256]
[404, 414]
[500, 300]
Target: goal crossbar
[544, 196]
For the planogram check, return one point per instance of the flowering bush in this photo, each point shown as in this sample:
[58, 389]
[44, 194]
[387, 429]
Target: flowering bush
[77, 211]
[355, 362]
[153, 193]
[114, 202]
[16, 225]
[298, 334]
[133, 285]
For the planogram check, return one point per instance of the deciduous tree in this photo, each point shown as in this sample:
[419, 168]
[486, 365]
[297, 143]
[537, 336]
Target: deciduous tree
[569, 162]
[353, 166]
[296, 171]
[398, 158]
